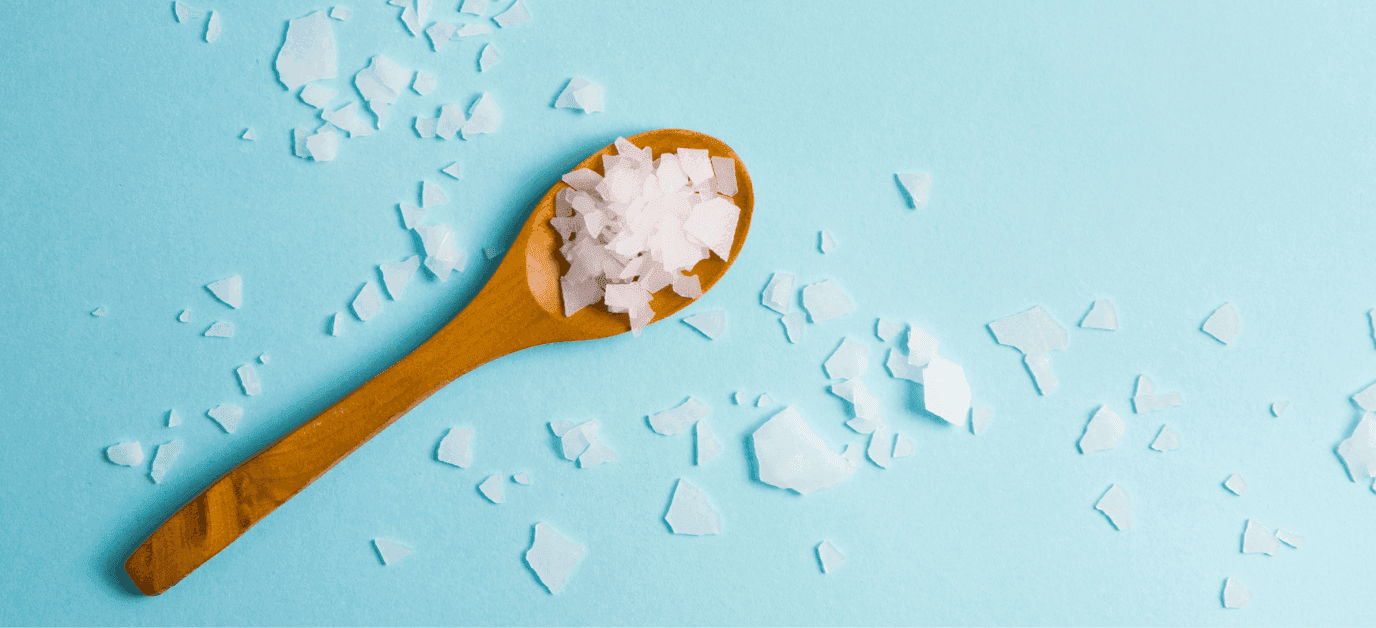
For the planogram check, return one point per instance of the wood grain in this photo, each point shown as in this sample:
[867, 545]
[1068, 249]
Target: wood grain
[520, 307]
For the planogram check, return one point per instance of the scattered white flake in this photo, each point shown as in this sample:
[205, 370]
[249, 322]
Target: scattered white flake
[886, 331]
[264, 358]
[739, 397]
[249, 134]
[1101, 315]
[1278, 408]
[220, 329]
[346, 118]
[1235, 595]
[339, 13]
[1032, 332]
[521, 478]
[308, 53]
[825, 301]
[560, 428]
[491, 488]
[764, 401]
[793, 327]
[574, 441]
[790, 456]
[395, 276]
[212, 28]
[922, 346]
[1103, 431]
[425, 127]
[900, 369]
[915, 188]
[829, 556]
[439, 34]
[945, 392]
[380, 83]
[552, 556]
[456, 447]
[1367, 398]
[299, 137]
[707, 445]
[441, 254]
[411, 215]
[483, 117]
[1257, 539]
[902, 446]
[1146, 400]
[317, 96]
[100, 311]
[454, 170]
[125, 454]
[1358, 452]
[423, 11]
[474, 7]
[711, 324]
[229, 291]
[336, 324]
[825, 243]
[470, 30]
[488, 58]
[1223, 324]
[517, 14]
[778, 293]
[163, 458]
[980, 417]
[1236, 484]
[1040, 368]
[1166, 440]
[173, 419]
[390, 552]
[248, 380]
[880, 446]
[1289, 538]
[185, 12]
[431, 195]
[679, 419]
[690, 512]
[324, 145]
[368, 303]
[227, 416]
[597, 453]
[410, 19]
[185, 316]
[724, 173]
[590, 99]
[848, 361]
[424, 82]
[1117, 506]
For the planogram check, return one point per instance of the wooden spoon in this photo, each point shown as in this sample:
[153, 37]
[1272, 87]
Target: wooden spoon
[520, 307]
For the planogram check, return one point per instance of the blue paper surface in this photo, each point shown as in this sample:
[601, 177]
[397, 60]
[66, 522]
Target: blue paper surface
[1171, 156]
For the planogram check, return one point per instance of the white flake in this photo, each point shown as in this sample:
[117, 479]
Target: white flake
[1257, 539]
[778, 293]
[915, 188]
[264, 358]
[517, 14]
[793, 327]
[390, 552]
[439, 34]
[552, 556]
[425, 127]
[441, 254]
[1289, 538]
[411, 215]
[790, 456]
[491, 488]
[900, 369]
[711, 324]
[590, 99]
[173, 419]
[980, 417]
[212, 28]
[739, 397]
[1103, 431]
[474, 7]
[162, 460]
[824, 242]
[825, 301]
[597, 453]
[227, 416]
[945, 391]
[380, 84]
[1033, 332]
[707, 445]
[1101, 315]
[1235, 595]
[248, 380]
[184, 12]
[299, 137]
[431, 195]
[521, 478]
[424, 82]
[1040, 368]
[764, 401]
[125, 454]
[1166, 440]
[324, 145]
[849, 361]
[335, 324]
[339, 13]
[317, 96]
[576, 440]
[1358, 452]
[1236, 484]
[829, 556]
[880, 446]
[346, 118]
[483, 117]
[220, 329]
[922, 346]
[470, 30]
[409, 18]
[886, 331]
[185, 316]
[395, 276]
[248, 134]
[368, 303]
[454, 170]
[1278, 408]
[308, 52]
[560, 428]
[98, 312]
[565, 99]
[488, 58]
[902, 446]
[853, 455]
[1367, 398]
[690, 512]
[1117, 506]
[679, 419]
[724, 173]
[229, 291]
[1223, 324]
[1146, 400]
[456, 447]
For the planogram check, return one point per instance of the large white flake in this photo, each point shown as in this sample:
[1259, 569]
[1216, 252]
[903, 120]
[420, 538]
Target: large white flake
[825, 301]
[679, 419]
[1117, 506]
[1103, 431]
[229, 291]
[945, 392]
[690, 512]
[552, 556]
[1258, 539]
[456, 447]
[1031, 332]
[308, 53]
[790, 456]
[1101, 315]
[849, 361]
[1223, 324]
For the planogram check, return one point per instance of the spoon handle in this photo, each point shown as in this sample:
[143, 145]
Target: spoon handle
[488, 329]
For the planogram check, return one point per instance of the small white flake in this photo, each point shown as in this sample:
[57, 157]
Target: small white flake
[711, 324]
[1166, 440]
[491, 488]
[764, 401]
[410, 215]
[1367, 398]
[853, 455]
[425, 127]
[829, 556]
[396, 276]
[488, 58]
[125, 454]
[880, 446]
[227, 416]
[424, 82]
[793, 327]
[1236, 484]
[368, 302]
[317, 96]
[560, 428]
[902, 446]
[184, 12]
[521, 478]
[825, 301]
[778, 293]
[900, 369]
[980, 417]
[1040, 368]
[1117, 506]
[483, 117]
[220, 329]
[324, 145]
[679, 419]
[1257, 539]
[336, 324]
[886, 331]
[1278, 408]
[212, 28]
[1235, 595]
[299, 137]
[1033, 332]
[824, 242]
[690, 512]
[248, 380]
[1223, 324]
[848, 361]
[552, 556]
[574, 441]
[454, 170]
[1289, 538]
[185, 316]
[163, 458]
[308, 52]
[915, 188]
[339, 13]
[380, 84]
[1101, 315]
[707, 445]
[474, 7]
[264, 358]
[456, 447]
[945, 392]
[582, 94]
[390, 552]
[410, 19]
[1104, 430]
[249, 134]
[1146, 400]
[789, 455]
[597, 453]
[517, 14]
[346, 118]
[431, 195]
[1358, 451]
[439, 34]
[173, 419]
[470, 30]
[922, 346]
[98, 312]
[229, 291]
[738, 398]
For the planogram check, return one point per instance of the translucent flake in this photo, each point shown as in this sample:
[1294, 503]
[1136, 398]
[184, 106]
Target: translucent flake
[390, 552]
[299, 137]
[425, 127]
[248, 134]
[560, 428]
[778, 293]
[454, 170]
[439, 34]
[980, 417]
[396, 276]
[424, 83]
[1367, 398]
[1289, 538]
[317, 96]
[410, 215]
[220, 329]
[1257, 539]
[470, 30]
[590, 99]
[264, 358]
[1278, 408]
[173, 419]
[410, 19]
[825, 243]
[488, 58]
[902, 446]
[1146, 400]
[380, 84]
[162, 459]
[582, 179]
[483, 117]
[517, 14]
[324, 145]
[900, 369]
[248, 380]
[229, 291]
[368, 303]
[212, 28]
[339, 13]
[886, 331]
[1032, 332]
[308, 52]
[724, 173]
[423, 11]
[474, 7]
[521, 478]
[98, 312]
[764, 401]
[880, 447]
[576, 440]
[491, 488]
[597, 453]
[431, 195]
[456, 447]
[825, 301]
[1235, 595]
[853, 455]
[185, 316]
[1040, 368]
[707, 445]
[565, 99]
[1117, 506]
[922, 347]
[915, 188]
[1101, 315]
[336, 322]
[1223, 324]
[829, 556]
[790, 456]
[125, 454]
[1236, 484]
[690, 512]
[441, 254]
[552, 556]
[848, 361]
[679, 419]
[227, 416]
[1103, 431]
[945, 392]
[1358, 452]
[184, 12]
[696, 163]
[1166, 440]
[346, 118]
[711, 324]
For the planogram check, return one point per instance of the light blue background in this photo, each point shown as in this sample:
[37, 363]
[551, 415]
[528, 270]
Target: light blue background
[1170, 155]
